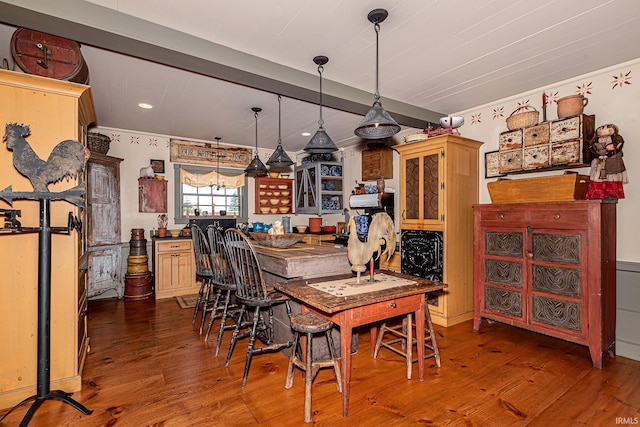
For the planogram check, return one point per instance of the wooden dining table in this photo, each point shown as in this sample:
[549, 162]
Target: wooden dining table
[364, 303]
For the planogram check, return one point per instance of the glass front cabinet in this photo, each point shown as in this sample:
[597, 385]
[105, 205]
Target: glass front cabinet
[319, 188]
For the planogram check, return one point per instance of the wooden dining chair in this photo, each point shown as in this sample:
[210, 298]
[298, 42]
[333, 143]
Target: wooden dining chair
[225, 285]
[204, 273]
[252, 293]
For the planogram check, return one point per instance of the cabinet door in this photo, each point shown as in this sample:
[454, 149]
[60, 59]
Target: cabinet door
[103, 200]
[104, 270]
[421, 181]
[558, 284]
[174, 271]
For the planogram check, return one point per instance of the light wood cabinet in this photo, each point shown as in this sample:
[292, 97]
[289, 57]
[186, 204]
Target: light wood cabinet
[273, 195]
[54, 110]
[174, 267]
[438, 186]
[550, 268]
[103, 225]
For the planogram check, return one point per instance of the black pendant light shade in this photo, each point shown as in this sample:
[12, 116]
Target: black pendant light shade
[320, 142]
[279, 158]
[256, 167]
[377, 123]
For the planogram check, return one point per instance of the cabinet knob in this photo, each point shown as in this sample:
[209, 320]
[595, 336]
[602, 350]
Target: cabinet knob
[556, 216]
[530, 255]
[500, 215]
[393, 305]
[174, 255]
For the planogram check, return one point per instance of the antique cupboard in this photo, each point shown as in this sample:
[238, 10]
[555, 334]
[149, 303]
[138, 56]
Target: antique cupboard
[438, 187]
[55, 110]
[549, 267]
[103, 225]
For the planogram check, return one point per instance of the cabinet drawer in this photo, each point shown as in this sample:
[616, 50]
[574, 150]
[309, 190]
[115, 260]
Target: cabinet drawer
[560, 217]
[563, 130]
[536, 157]
[566, 152]
[536, 135]
[510, 140]
[172, 246]
[384, 310]
[501, 215]
[510, 161]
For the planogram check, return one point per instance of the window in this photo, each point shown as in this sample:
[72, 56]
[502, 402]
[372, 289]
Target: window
[201, 192]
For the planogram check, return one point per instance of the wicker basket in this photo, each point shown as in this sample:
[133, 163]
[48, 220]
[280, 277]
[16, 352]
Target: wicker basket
[98, 143]
[521, 118]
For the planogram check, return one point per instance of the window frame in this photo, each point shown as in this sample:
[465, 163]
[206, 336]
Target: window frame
[243, 193]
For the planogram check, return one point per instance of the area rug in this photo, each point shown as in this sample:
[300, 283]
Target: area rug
[187, 301]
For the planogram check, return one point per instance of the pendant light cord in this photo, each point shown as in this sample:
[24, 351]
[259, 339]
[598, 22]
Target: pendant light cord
[320, 70]
[256, 116]
[279, 120]
[376, 26]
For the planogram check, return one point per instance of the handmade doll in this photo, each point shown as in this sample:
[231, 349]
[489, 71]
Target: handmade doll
[608, 172]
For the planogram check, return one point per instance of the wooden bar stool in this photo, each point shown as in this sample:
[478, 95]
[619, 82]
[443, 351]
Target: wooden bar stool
[403, 335]
[310, 323]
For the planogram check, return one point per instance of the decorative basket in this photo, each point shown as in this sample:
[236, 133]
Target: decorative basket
[98, 143]
[521, 118]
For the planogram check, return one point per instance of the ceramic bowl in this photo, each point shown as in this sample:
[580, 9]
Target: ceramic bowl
[301, 228]
[274, 210]
[276, 240]
[274, 174]
[452, 122]
[284, 201]
[285, 193]
[284, 209]
[174, 233]
[265, 210]
[274, 201]
[282, 187]
[263, 201]
[276, 193]
[263, 185]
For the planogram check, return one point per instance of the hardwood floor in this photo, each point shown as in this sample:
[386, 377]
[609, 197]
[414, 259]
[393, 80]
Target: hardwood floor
[149, 367]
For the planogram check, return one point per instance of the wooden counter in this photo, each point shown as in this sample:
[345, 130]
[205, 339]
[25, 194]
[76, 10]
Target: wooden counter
[302, 261]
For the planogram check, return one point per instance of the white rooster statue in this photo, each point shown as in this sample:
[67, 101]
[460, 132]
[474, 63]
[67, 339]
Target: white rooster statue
[381, 231]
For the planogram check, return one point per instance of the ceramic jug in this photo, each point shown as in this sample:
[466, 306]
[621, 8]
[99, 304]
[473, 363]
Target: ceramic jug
[362, 225]
[571, 105]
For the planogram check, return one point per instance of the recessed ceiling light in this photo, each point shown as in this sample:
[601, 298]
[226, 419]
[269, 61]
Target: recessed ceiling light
[306, 134]
[145, 105]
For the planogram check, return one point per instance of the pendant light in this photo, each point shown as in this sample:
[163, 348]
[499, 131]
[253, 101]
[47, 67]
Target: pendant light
[279, 158]
[320, 143]
[218, 186]
[256, 167]
[377, 123]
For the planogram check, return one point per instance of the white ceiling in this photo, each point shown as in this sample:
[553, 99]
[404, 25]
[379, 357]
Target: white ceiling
[436, 57]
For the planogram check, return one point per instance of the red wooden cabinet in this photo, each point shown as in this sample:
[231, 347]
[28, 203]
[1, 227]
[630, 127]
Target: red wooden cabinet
[550, 268]
[152, 195]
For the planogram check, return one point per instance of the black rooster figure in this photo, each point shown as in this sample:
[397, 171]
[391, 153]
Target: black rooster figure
[66, 160]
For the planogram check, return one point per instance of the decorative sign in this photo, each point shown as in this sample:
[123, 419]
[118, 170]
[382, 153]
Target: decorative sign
[202, 153]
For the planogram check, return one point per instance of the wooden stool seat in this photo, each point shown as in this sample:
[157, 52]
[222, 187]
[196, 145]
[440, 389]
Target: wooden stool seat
[403, 335]
[309, 323]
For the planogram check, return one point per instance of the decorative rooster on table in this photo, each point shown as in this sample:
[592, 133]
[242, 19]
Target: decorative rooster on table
[66, 160]
[381, 231]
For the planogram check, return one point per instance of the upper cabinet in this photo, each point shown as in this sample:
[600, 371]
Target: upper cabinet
[319, 187]
[377, 162]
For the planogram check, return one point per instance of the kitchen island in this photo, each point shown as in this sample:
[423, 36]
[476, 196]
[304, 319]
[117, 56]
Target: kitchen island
[301, 261]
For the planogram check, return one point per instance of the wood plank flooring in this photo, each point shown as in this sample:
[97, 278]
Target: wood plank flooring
[149, 367]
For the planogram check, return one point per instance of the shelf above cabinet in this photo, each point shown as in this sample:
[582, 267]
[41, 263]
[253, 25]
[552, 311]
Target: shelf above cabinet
[273, 196]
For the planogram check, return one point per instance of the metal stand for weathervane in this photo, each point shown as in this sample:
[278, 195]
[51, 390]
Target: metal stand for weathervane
[66, 160]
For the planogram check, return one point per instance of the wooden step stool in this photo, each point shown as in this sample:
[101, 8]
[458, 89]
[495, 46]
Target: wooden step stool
[403, 334]
[310, 323]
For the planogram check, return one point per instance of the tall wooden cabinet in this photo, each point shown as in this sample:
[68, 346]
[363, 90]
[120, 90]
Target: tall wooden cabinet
[549, 268]
[438, 186]
[103, 225]
[55, 110]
